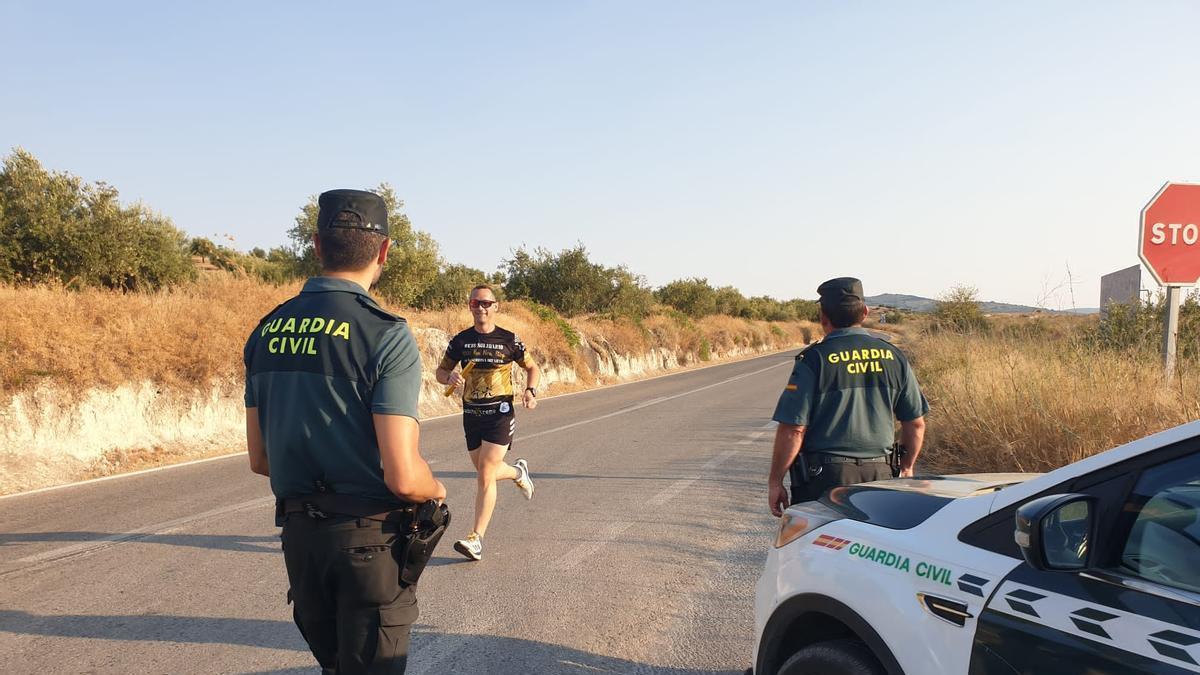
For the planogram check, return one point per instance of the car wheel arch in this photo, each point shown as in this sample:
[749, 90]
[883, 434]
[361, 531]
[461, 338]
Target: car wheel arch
[791, 625]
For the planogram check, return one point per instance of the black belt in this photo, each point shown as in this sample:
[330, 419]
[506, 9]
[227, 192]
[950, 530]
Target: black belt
[321, 506]
[826, 458]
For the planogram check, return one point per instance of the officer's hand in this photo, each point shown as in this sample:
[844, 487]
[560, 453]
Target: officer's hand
[530, 400]
[906, 473]
[778, 498]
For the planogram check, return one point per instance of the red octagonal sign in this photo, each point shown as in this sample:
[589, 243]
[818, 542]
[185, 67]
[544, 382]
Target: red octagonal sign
[1169, 242]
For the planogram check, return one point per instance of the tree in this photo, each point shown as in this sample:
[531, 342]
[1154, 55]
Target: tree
[55, 227]
[413, 263]
[694, 297]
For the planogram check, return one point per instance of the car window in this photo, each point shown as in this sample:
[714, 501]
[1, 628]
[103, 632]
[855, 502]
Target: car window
[1164, 541]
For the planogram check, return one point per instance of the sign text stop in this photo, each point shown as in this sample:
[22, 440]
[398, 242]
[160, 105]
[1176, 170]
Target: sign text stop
[1169, 241]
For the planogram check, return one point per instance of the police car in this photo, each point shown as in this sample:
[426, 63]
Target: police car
[1092, 568]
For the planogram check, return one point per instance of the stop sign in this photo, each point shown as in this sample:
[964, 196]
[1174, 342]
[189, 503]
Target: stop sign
[1169, 241]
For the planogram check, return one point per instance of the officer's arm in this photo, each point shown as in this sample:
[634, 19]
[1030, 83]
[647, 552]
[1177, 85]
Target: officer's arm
[405, 471]
[254, 444]
[912, 437]
[788, 439]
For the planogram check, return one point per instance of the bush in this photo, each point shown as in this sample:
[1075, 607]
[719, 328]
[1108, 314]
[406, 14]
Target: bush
[958, 311]
[1138, 327]
[572, 284]
[450, 287]
[55, 227]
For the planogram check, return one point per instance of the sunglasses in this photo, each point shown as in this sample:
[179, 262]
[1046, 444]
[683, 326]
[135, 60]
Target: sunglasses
[481, 303]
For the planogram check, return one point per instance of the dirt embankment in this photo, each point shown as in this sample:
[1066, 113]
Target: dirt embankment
[97, 383]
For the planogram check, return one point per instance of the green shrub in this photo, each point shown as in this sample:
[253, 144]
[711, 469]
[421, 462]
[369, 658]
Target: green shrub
[958, 311]
[548, 315]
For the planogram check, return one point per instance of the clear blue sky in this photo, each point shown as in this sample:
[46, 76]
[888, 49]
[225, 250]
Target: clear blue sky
[767, 145]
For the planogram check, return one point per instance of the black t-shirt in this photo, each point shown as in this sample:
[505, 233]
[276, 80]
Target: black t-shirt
[490, 382]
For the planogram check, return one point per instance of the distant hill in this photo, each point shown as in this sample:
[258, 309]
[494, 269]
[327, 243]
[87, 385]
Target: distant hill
[916, 303]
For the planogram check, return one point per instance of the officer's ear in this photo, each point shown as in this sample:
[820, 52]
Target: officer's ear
[383, 250]
[317, 244]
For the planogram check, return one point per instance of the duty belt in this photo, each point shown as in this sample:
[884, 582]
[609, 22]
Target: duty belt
[322, 506]
[826, 458]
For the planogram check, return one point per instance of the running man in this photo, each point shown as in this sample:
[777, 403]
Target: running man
[488, 415]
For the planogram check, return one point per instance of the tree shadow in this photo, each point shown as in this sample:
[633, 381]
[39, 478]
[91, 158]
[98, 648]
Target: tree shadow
[157, 628]
[239, 543]
[431, 651]
[494, 655]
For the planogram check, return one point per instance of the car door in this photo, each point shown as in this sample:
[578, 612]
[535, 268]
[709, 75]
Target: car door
[1135, 609]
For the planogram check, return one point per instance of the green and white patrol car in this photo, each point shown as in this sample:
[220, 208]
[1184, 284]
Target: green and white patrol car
[1092, 568]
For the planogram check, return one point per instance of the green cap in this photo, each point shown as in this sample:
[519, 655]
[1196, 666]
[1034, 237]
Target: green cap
[840, 291]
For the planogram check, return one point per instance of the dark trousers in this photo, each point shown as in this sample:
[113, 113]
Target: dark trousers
[832, 475]
[348, 601]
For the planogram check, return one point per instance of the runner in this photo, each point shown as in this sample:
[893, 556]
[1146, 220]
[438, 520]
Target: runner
[488, 415]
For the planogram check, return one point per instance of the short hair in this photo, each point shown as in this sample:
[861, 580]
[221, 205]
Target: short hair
[845, 314]
[485, 287]
[346, 249]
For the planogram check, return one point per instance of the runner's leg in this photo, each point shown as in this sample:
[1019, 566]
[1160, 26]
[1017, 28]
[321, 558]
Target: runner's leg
[490, 467]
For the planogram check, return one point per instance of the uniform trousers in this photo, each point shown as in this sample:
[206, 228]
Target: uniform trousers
[832, 475]
[349, 603]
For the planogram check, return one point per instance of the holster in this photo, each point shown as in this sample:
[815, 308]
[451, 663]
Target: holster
[428, 526]
[897, 452]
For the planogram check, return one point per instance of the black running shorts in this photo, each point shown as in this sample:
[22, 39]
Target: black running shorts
[496, 427]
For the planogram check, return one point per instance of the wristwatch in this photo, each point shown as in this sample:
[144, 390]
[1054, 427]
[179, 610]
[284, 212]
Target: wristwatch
[531, 390]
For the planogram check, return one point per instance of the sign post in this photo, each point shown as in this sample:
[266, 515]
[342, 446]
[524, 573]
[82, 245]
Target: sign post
[1169, 245]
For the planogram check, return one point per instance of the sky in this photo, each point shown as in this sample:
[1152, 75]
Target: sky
[1008, 146]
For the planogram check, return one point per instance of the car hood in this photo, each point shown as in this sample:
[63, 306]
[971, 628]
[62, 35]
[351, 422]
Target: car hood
[901, 503]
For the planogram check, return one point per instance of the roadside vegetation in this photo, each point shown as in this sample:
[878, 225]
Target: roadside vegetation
[1035, 392]
[98, 294]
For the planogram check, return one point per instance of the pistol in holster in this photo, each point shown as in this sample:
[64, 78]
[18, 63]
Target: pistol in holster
[429, 523]
[803, 470]
[895, 455]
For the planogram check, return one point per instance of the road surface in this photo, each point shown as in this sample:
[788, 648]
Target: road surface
[638, 553]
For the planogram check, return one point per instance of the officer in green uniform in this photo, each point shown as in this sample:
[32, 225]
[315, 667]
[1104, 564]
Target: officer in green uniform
[332, 382]
[837, 413]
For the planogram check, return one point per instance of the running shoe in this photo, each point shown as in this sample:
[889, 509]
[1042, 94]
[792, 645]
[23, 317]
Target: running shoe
[472, 546]
[523, 480]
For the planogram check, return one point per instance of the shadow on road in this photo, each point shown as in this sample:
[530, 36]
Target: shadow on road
[157, 628]
[472, 653]
[224, 542]
[513, 656]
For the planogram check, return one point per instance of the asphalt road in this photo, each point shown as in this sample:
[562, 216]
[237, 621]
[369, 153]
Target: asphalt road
[638, 553]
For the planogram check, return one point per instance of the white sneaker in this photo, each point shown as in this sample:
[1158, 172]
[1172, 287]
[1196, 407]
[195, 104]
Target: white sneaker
[472, 546]
[523, 480]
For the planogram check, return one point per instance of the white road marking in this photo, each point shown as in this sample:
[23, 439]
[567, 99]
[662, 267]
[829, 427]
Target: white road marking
[653, 401]
[586, 549]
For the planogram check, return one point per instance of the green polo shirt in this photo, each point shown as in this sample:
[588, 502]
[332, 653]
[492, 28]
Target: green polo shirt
[847, 391]
[317, 368]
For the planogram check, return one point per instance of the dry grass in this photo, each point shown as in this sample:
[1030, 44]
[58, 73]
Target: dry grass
[1016, 404]
[179, 338]
[192, 336]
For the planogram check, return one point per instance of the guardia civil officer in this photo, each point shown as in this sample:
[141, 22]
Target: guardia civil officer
[836, 414]
[332, 382]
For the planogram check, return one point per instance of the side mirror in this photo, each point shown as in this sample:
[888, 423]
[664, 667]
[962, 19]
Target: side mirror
[1057, 533]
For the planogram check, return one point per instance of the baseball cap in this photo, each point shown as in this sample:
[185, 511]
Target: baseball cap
[369, 208]
[840, 291]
